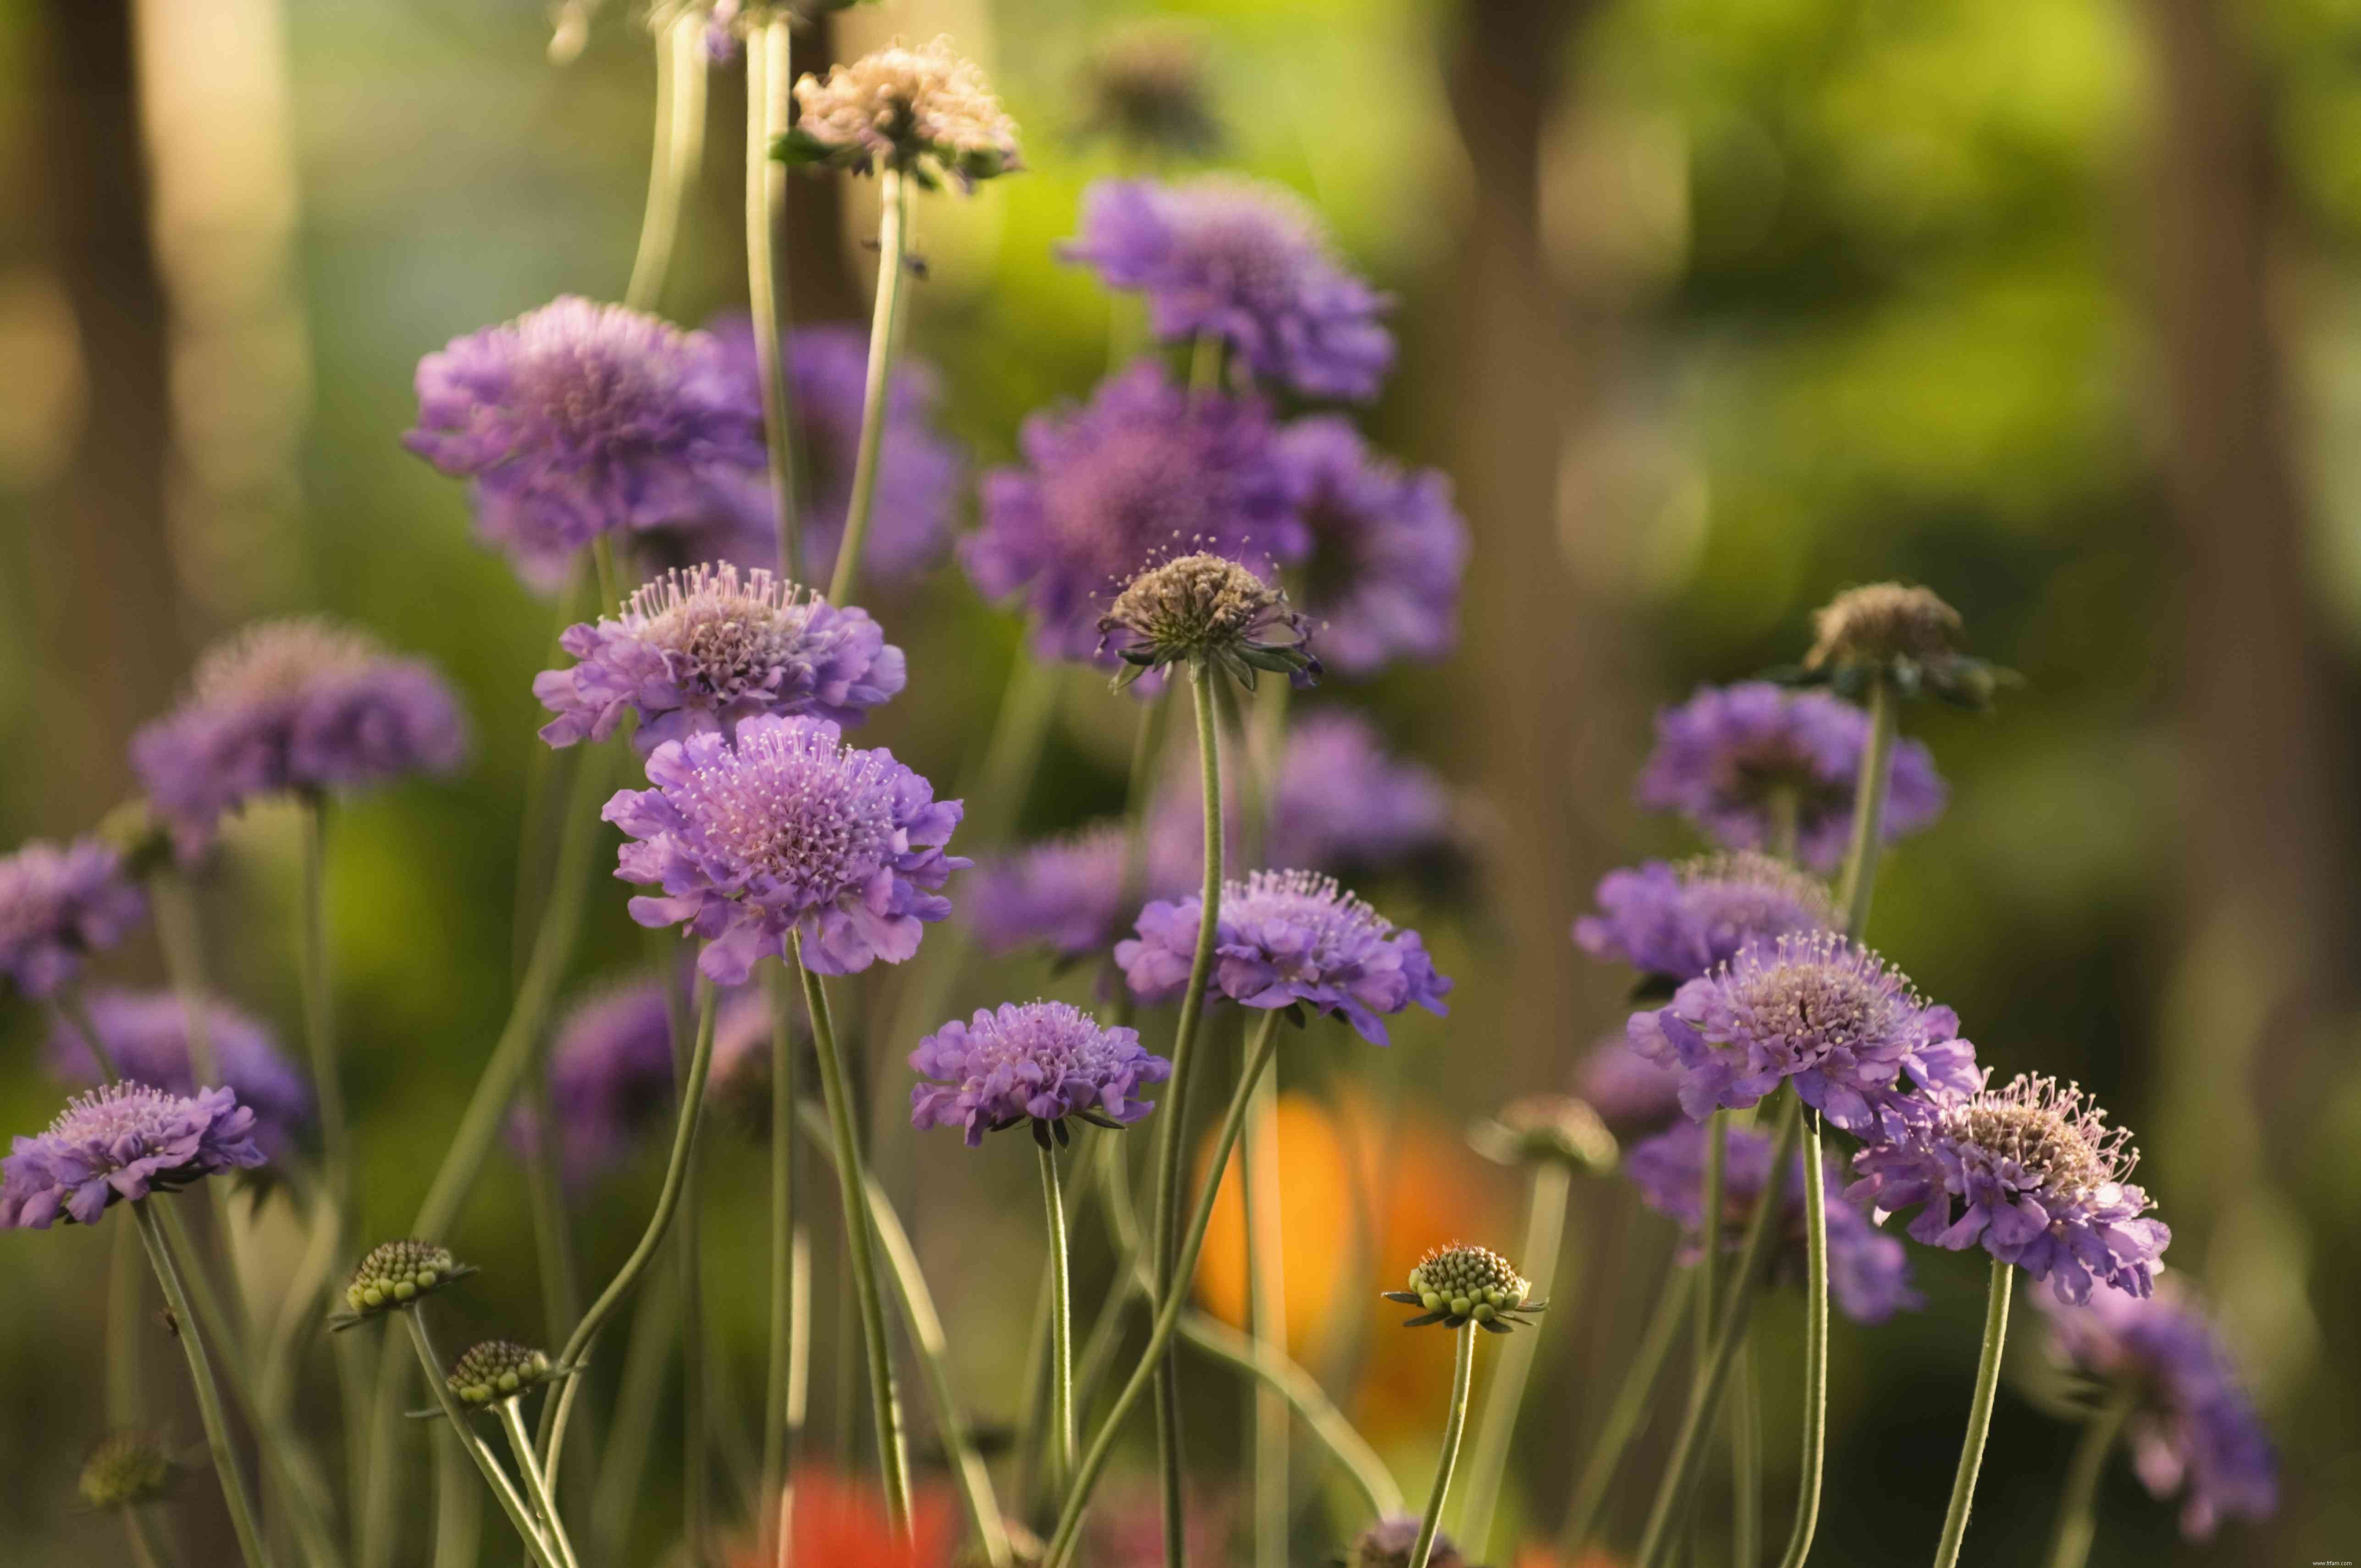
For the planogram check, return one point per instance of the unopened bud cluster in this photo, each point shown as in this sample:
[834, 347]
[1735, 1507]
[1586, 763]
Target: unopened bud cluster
[126, 1469]
[1458, 1285]
[498, 1369]
[397, 1273]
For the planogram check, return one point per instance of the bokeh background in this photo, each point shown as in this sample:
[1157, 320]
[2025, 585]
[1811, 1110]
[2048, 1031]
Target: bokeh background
[1709, 309]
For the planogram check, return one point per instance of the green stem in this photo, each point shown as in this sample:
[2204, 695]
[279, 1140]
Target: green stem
[769, 77]
[1546, 1207]
[623, 1462]
[553, 1230]
[892, 1453]
[1061, 1317]
[1623, 1416]
[527, 1528]
[679, 138]
[892, 242]
[147, 1552]
[209, 1401]
[2078, 1511]
[319, 1028]
[696, 1424]
[536, 1485]
[459, 1506]
[1869, 809]
[1815, 1349]
[790, 1349]
[125, 1373]
[1980, 1410]
[1746, 1458]
[1463, 1372]
[1267, 1292]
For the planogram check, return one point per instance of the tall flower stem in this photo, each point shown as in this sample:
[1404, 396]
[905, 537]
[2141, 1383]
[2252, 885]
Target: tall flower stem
[892, 246]
[836, 1088]
[2078, 1511]
[1266, 1294]
[209, 1400]
[679, 143]
[147, 1552]
[459, 1506]
[528, 1528]
[696, 1418]
[1980, 1410]
[536, 1486]
[1860, 879]
[1746, 1458]
[1623, 1416]
[1545, 1206]
[561, 1284]
[790, 1325]
[1816, 1349]
[623, 1460]
[126, 1365]
[769, 77]
[318, 1026]
[1061, 1317]
[1709, 1207]
[1463, 1373]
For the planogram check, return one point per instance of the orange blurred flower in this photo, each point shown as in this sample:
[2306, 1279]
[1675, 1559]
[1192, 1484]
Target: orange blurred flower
[1542, 1557]
[839, 1522]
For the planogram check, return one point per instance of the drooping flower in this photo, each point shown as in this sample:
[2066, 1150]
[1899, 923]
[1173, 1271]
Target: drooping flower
[1247, 262]
[1140, 473]
[1285, 939]
[147, 1033]
[1457, 1285]
[1388, 549]
[304, 705]
[1868, 1271]
[2031, 1171]
[928, 111]
[580, 418]
[1041, 1062]
[1633, 1093]
[787, 831]
[2193, 1430]
[59, 903]
[1732, 759]
[610, 1079]
[496, 1370]
[1389, 1542]
[697, 651]
[1206, 611]
[1146, 87]
[119, 1143]
[1680, 921]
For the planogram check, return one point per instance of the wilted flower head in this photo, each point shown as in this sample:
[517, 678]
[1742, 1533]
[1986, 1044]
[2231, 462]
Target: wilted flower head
[395, 1274]
[1247, 262]
[306, 706]
[1145, 86]
[1108, 489]
[1633, 1093]
[126, 1469]
[1040, 1062]
[1897, 632]
[927, 112]
[1868, 1271]
[1732, 759]
[2037, 1177]
[1460, 1284]
[1553, 1129]
[697, 651]
[611, 1077]
[1289, 940]
[119, 1143]
[789, 830]
[1847, 1027]
[1388, 1543]
[1680, 921]
[147, 1034]
[498, 1369]
[1206, 611]
[58, 904]
[580, 418]
[2193, 1428]
[1389, 548]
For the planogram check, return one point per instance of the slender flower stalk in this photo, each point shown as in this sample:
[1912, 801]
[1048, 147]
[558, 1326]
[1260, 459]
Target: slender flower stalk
[1622, 1422]
[679, 146]
[790, 1326]
[1463, 1373]
[1267, 1292]
[536, 1484]
[769, 93]
[893, 245]
[1062, 1318]
[1815, 1354]
[1980, 1410]
[521, 1516]
[1746, 1458]
[1860, 879]
[1546, 1207]
[623, 1461]
[695, 1423]
[459, 1506]
[2078, 1511]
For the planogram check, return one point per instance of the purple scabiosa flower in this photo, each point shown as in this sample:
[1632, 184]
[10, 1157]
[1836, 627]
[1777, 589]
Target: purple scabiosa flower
[58, 902]
[1244, 261]
[1631, 1093]
[2034, 1173]
[1388, 1543]
[1868, 1271]
[697, 650]
[1141, 472]
[1827, 1014]
[925, 111]
[1680, 921]
[122, 1142]
[610, 1079]
[303, 705]
[787, 831]
[1725, 759]
[1289, 940]
[1344, 802]
[2193, 1428]
[1065, 893]
[147, 1033]
[1041, 1062]
[1387, 548]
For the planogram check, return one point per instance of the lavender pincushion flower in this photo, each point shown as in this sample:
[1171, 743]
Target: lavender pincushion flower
[1680, 921]
[1065, 893]
[1388, 549]
[611, 1077]
[2034, 1173]
[147, 1034]
[58, 902]
[697, 650]
[304, 705]
[1284, 939]
[1142, 472]
[2193, 1428]
[1868, 1271]
[121, 1142]
[787, 832]
[1630, 1092]
[1244, 261]
[1726, 757]
[1042, 1061]
[1827, 1014]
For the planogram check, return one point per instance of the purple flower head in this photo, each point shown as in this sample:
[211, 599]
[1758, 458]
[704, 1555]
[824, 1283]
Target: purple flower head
[1244, 261]
[787, 831]
[1141, 473]
[1042, 1062]
[2033, 1172]
[124, 1142]
[1680, 921]
[1065, 893]
[698, 650]
[1387, 548]
[1284, 939]
[147, 1033]
[610, 1079]
[1829, 1014]
[1630, 1094]
[59, 902]
[300, 705]
[1389, 1542]
[1868, 1271]
[2194, 1430]
[1727, 757]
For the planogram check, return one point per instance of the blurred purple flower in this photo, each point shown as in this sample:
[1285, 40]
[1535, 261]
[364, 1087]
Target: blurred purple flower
[1389, 1542]
[59, 902]
[121, 1142]
[610, 1079]
[1387, 548]
[1630, 1094]
[1065, 893]
[1042, 1061]
[1680, 921]
[147, 1033]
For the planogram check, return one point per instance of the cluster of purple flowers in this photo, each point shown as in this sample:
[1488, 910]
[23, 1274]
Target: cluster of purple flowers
[1680, 921]
[59, 902]
[146, 1033]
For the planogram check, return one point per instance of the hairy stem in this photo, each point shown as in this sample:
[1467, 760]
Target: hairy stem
[1980, 1410]
[1463, 1372]
[893, 244]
